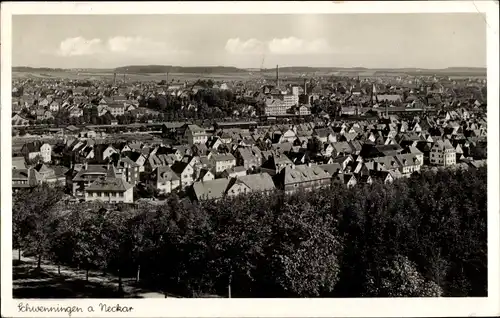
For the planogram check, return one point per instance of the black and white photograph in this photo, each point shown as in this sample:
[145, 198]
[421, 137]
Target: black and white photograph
[249, 156]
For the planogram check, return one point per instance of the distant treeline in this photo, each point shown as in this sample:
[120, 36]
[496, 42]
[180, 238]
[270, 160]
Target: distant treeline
[35, 69]
[139, 69]
[422, 236]
[177, 69]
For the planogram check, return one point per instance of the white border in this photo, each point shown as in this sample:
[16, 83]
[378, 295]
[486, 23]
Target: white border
[171, 307]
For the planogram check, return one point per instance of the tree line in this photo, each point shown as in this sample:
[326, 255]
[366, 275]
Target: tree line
[422, 236]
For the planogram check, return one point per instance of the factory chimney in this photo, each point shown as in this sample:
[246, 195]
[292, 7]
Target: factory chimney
[277, 76]
[305, 86]
[114, 79]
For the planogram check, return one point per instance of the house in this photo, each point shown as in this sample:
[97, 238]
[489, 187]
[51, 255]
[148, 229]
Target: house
[87, 133]
[210, 190]
[325, 135]
[80, 177]
[347, 179]
[304, 110]
[104, 152]
[110, 189]
[185, 172]
[302, 177]
[275, 162]
[288, 136]
[383, 176]
[157, 160]
[116, 109]
[164, 179]
[234, 172]
[129, 170]
[45, 173]
[248, 158]
[205, 175]
[443, 153]
[416, 152]
[222, 162]
[36, 148]
[236, 188]
[25, 178]
[386, 163]
[193, 134]
[261, 182]
[409, 163]
[137, 157]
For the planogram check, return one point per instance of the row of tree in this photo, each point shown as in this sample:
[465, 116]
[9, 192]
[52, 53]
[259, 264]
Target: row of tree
[423, 236]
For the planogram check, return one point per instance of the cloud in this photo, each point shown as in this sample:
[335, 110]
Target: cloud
[293, 45]
[79, 46]
[283, 46]
[118, 45]
[251, 46]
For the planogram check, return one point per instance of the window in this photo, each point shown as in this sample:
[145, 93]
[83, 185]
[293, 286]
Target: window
[121, 194]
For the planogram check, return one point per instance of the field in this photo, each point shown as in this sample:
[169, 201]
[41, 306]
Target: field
[107, 75]
[146, 77]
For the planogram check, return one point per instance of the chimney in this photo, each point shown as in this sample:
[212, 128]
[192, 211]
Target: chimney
[277, 76]
[305, 86]
[114, 79]
[86, 165]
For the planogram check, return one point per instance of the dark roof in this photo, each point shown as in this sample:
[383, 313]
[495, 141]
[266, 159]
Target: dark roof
[109, 184]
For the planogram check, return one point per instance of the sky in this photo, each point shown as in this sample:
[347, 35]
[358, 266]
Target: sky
[251, 41]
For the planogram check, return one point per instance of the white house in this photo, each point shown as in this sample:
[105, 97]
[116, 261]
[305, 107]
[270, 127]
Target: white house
[443, 153]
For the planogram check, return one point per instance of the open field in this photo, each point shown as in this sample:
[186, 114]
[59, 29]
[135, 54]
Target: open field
[156, 77]
[268, 75]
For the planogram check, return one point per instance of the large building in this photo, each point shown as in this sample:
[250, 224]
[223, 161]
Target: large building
[109, 189]
[275, 107]
[193, 134]
[443, 154]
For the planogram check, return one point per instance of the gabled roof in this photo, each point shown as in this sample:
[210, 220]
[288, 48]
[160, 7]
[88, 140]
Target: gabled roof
[213, 189]
[258, 182]
[165, 173]
[111, 184]
[179, 167]
[302, 173]
[223, 157]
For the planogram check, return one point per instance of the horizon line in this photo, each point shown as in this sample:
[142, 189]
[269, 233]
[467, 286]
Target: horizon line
[253, 68]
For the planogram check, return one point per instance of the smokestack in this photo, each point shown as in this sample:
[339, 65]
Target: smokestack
[114, 79]
[305, 86]
[277, 76]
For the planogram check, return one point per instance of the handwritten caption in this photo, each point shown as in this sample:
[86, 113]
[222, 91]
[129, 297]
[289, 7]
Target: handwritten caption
[103, 308]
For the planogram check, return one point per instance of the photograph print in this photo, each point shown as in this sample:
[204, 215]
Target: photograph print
[249, 155]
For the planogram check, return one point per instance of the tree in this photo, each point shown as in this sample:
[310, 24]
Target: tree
[34, 213]
[315, 146]
[304, 252]
[400, 278]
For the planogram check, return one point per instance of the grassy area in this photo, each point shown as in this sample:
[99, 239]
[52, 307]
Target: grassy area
[49, 281]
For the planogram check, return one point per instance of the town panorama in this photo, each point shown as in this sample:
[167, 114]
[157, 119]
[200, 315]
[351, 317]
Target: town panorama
[286, 181]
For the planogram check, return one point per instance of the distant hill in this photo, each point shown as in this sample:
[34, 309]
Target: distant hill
[135, 69]
[35, 69]
[145, 69]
